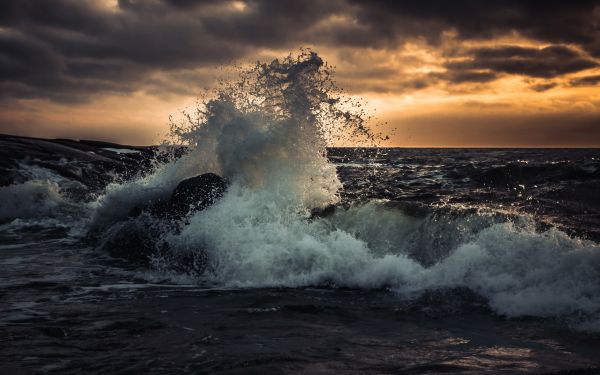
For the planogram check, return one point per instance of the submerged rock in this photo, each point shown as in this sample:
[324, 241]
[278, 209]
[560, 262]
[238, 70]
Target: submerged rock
[139, 242]
[136, 239]
[190, 195]
[133, 240]
[323, 212]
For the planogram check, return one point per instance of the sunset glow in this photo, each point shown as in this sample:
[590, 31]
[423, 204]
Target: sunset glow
[118, 71]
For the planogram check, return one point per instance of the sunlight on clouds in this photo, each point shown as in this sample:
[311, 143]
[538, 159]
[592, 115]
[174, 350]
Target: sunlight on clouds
[136, 61]
[111, 5]
[239, 6]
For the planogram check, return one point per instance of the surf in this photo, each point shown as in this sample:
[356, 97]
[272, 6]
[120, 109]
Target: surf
[267, 134]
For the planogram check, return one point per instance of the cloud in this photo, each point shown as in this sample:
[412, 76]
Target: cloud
[555, 22]
[586, 81]
[545, 62]
[466, 75]
[541, 87]
[70, 50]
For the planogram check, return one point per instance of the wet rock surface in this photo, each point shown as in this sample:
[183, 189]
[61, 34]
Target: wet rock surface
[92, 163]
[137, 238]
[196, 194]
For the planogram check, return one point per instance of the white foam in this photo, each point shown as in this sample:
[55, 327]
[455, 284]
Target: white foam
[522, 272]
[34, 198]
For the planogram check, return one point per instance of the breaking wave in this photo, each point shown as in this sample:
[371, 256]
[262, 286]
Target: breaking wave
[38, 194]
[267, 135]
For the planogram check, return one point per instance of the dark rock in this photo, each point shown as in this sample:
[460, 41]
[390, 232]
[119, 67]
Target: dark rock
[192, 263]
[190, 195]
[323, 211]
[158, 207]
[196, 193]
[92, 164]
[138, 238]
[133, 240]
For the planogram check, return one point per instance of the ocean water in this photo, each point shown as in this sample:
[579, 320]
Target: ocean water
[315, 260]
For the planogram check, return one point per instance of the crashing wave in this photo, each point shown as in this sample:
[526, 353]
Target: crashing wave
[267, 135]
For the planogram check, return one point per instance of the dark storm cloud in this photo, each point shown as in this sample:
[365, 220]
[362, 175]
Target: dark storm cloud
[31, 68]
[586, 81]
[558, 22]
[466, 75]
[541, 87]
[71, 49]
[52, 47]
[546, 62]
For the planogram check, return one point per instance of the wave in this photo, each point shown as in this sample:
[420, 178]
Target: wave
[267, 135]
[38, 193]
[521, 271]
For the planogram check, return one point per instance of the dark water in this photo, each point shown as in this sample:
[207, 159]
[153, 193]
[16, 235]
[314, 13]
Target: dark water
[558, 186]
[67, 307]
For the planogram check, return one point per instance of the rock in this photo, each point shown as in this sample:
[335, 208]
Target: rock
[138, 238]
[192, 263]
[138, 241]
[196, 193]
[158, 207]
[87, 162]
[322, 212]
[133, 240]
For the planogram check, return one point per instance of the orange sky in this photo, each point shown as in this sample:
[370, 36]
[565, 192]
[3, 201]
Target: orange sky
[430, 94]
[506, 112]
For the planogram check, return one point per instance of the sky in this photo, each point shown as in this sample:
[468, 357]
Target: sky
[464, 73]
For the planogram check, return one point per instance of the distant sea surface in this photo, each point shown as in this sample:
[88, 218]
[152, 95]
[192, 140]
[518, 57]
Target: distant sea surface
[556, 186]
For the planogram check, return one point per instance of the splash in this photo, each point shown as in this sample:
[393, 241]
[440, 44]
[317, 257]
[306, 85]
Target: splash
[270, 129]
[266, 131]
